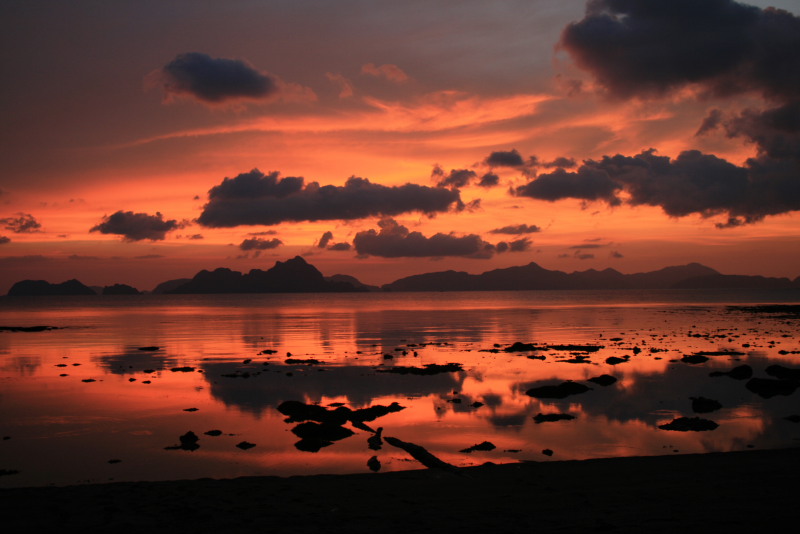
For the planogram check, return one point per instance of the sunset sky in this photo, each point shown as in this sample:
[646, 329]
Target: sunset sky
[144, 141]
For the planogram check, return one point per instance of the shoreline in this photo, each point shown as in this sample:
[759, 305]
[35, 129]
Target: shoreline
[732, 491]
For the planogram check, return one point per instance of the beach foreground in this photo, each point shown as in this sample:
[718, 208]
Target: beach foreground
[716, 492]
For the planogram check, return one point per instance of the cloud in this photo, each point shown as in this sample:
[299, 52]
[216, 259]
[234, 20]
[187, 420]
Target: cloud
[649, 48]
[692, 183]
[345, 87]
[254, 198]
[724, 49]
[213, 80]
[457, 178]
[517, 229]
[136, 226]
[23, 223]
[391, 72]
[587, 183]
[615, 254]
[260, 244]
[395, 241]
[195, 237]
[501, 158]
[489, 180]
[518, 245]
[323, 241]
[340, 247]
[4, 239]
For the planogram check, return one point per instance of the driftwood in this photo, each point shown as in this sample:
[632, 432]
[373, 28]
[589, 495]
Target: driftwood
[421, 454]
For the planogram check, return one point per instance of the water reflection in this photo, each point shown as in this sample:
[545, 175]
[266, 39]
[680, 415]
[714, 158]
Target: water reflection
[226, 363]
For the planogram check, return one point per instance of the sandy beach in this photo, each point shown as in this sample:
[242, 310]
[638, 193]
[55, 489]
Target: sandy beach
[717, 492]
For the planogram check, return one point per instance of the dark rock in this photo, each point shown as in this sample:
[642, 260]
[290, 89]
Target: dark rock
[39, 328]
[689, 424]
[299, 411]
[603, 380]
[523, 347]
[783, 373]
[694, 359]
[188, 442]
[740, 372]
[430, 369]
[301, 361]
[613, 360]
[374, 464]
[551, 417]
[559, 391]
[321, 431]
[577, 348]
[483, 446]
[374, 442]
[704, 405]
[769, 387]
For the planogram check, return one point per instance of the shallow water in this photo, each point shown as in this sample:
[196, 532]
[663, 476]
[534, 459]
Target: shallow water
[82, 403]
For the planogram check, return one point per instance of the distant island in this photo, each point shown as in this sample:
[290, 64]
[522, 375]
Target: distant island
[298, 276]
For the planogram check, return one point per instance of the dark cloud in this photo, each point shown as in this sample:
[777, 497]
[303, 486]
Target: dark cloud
[588, 245]
[4, 239]
[517, 229]
[254, 198]
[724, 48]
[711, 122]
[22, 223]
[395, 241]
[518, 245]
[260, 244]
[136, 226]
[692, 183]
[502, 158]
[214, 80]
[775, 132]
[562, 162]
[615, 254]
[340, 247]
[587, 183]
[195, 237]
[455, 179]
[489, 180]
[649, 48]
[325, 239]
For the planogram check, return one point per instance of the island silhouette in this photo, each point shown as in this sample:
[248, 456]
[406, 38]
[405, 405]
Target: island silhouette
[296, 275]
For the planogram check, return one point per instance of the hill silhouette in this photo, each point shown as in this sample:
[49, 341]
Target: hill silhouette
[298, 276]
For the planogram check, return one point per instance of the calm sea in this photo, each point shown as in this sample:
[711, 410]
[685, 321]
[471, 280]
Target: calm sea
[107, 394]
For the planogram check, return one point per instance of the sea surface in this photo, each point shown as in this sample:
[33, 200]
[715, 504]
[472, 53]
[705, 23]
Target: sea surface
[108, 393]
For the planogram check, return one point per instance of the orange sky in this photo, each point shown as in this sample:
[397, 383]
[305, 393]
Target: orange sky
[144, 108]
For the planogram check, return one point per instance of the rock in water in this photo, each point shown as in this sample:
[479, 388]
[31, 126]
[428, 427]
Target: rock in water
[560, 391]
[374, 464]
[689, 424]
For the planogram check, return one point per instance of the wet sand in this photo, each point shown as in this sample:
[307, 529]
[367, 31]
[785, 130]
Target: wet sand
[718, 492]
